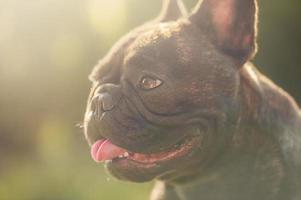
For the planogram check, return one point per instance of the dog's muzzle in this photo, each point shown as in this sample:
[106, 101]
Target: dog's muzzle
[104, 99]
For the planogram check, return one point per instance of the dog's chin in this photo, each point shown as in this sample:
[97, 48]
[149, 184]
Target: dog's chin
[137, 167]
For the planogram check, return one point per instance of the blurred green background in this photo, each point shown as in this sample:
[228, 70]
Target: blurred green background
[48, 48]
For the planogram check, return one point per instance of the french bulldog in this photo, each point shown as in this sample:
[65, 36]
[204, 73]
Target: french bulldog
[179, 101]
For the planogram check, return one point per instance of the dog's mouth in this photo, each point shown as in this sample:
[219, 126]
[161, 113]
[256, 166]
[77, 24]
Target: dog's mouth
[104, 150]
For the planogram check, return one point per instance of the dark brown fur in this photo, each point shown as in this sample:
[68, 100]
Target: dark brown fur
[246, 129]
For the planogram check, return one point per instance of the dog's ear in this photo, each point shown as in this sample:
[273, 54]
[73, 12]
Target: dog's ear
[172, 10]
[231, 24]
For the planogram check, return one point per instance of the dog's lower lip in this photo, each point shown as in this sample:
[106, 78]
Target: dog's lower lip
[177, 151]
[104, 150]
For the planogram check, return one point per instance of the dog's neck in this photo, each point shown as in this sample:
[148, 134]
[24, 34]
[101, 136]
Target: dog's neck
[252, 165]
[251, 170]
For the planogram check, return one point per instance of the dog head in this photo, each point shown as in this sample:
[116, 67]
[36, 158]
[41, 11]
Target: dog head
[161, 95]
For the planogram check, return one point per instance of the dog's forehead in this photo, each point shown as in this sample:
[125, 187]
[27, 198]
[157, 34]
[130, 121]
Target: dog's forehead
[173, 43]
[138, 38]
[165, 42]
[154, 35]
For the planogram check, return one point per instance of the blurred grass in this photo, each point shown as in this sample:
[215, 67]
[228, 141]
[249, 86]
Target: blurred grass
[60, 168]
[48, 48]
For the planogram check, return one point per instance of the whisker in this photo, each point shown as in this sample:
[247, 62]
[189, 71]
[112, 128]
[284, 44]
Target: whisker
[80, 125]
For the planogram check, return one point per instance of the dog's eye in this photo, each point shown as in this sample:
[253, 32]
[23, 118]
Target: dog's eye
[148, 83]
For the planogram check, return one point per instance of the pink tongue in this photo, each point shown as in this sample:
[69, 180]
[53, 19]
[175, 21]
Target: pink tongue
[103, 150]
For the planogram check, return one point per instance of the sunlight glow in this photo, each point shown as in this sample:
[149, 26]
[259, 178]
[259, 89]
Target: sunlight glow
[108, 17]
[67, 50]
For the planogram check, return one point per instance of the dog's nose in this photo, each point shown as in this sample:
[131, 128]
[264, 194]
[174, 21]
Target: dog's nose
[105, 101]
[101, 103]
[105, 98]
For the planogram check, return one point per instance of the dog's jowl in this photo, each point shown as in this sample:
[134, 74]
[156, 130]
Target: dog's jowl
[178, 100]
